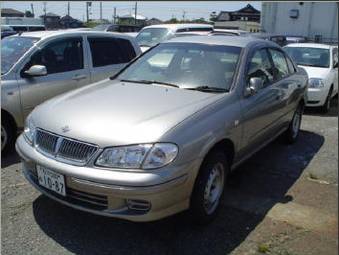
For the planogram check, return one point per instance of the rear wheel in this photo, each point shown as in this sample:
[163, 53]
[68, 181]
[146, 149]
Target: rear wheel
[209, 187]
[292, 132]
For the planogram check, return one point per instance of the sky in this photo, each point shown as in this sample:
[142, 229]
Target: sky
[163, 10]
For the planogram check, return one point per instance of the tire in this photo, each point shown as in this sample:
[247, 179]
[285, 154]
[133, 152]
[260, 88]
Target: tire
[291, 134]
[327, 105]
[7, 136]
[209, 188]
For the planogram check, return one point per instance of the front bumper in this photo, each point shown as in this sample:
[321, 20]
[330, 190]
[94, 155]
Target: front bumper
[135, 196]
[316, 97]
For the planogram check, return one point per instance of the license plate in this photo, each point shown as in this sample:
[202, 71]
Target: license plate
[51, 180]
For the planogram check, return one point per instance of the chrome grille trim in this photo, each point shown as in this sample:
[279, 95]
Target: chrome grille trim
[63, 149]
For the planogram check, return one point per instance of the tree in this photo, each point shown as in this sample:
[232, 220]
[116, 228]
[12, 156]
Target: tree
[172, 21]
[29, 14]
[213, 16]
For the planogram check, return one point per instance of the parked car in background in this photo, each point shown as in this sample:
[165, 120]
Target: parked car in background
[296, 39]
[321, 63]
[152, 35]
[278, 39]
[36, 66]
[7, 31]
[117, 28]
[219, 31]
[163, 134]
[28, 28]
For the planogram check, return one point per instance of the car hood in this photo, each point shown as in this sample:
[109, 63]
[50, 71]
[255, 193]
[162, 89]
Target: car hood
[114, 113]
[316, 72]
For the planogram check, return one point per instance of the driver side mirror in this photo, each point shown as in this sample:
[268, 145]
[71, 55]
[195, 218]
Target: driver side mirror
[254, 85]
[335, 65]
[36, 70]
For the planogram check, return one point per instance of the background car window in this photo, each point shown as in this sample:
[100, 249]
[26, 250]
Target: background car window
[151, 36]
[260, 66]
[306, 56]
[280, 64]
[59, 57]
[110, 51]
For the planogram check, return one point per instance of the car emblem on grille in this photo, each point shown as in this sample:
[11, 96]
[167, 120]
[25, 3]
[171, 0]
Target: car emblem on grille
[65, 129]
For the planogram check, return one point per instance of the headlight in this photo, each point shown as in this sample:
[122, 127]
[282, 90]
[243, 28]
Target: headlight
[145, 156]
[315, 83]
[29, 130]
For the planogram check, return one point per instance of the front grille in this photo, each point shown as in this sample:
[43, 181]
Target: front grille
[64, 149]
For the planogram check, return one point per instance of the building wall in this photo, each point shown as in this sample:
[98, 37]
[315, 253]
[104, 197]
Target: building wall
[315, 18]
[249, 26]
[21, 21]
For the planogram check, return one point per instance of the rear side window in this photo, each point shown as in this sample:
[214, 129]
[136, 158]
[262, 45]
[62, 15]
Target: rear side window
[60, 56]
[110, 51]
[260, 66]
[280, 64]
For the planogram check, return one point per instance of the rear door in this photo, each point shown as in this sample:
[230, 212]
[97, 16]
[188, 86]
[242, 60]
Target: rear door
[108, 55]
[66, 70]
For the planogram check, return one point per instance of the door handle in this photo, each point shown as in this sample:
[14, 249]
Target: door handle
[79, 77]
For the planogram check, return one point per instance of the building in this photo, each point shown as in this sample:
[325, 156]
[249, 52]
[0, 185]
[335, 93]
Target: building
[20, 21]
[129, 19]
[316, 20]
[8, 12]
[51, 20]
[69, 22]
[153, 21]
[247, 18]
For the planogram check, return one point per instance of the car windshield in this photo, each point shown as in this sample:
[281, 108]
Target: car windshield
[6, 29]
[151, 36]
[186, 65]
[12, 49]
[305, 56]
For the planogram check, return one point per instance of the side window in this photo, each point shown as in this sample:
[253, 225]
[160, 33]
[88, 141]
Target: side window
[280, 64]
[61, 56]
[260, 66]
[110, 51]
[290, 65]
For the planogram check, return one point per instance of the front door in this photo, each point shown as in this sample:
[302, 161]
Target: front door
[64, 61]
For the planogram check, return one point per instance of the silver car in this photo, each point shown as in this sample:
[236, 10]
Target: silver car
[163, 135]
[39, 65]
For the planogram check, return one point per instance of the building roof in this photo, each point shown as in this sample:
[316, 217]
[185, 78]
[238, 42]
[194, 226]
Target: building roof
[248, 10]
[237, 41]
[11, 11]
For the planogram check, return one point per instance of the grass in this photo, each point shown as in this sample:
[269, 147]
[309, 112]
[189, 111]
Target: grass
[263, 248]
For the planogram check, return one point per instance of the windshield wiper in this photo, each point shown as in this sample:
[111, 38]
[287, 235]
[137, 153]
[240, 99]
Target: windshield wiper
[151, 82]
[208, 89]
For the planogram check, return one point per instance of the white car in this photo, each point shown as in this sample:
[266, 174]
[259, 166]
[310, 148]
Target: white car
[321, 64]
[151, 35]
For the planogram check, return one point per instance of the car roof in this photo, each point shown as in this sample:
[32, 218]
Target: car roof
[310, 45]
[60, 33]
[237, 41]
[179, 26]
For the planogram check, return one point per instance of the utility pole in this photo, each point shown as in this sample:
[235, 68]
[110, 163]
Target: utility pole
[44, 9]
[115, 15]
[32, 8]
[100, 11]
[68, 9]
[88, 4]
[183, 15]
[135, 13]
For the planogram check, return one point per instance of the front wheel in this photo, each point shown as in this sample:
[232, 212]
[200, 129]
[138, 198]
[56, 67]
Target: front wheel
[7, 136]
[209, 188]
[292, 132]
[327, 105]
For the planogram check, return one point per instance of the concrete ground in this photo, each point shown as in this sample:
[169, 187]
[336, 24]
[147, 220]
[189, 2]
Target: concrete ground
[282, 201]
